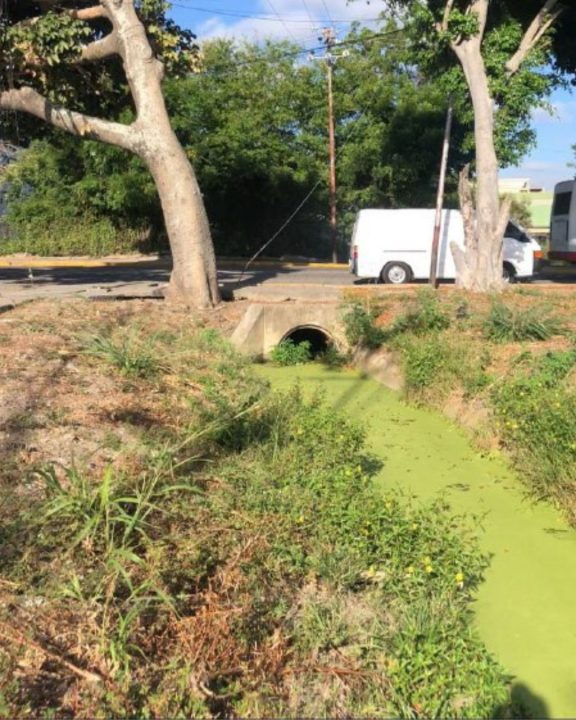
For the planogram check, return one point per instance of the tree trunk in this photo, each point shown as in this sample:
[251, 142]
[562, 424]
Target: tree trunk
[193, 277]
[479, 266]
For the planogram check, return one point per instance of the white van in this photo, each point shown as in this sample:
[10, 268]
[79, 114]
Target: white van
[395, 246]
[563, 222]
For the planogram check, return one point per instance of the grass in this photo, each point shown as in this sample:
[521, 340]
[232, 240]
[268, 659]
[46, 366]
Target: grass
[239, 562]
[505, 324]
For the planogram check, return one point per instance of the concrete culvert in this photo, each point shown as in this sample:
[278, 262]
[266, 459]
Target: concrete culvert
[319, 339]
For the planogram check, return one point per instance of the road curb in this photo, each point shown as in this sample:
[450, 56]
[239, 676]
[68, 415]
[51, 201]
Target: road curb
[16, 262]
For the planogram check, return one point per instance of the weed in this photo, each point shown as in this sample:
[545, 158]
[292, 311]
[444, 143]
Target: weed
[332, 357]
[360, 328]
[506, 324]
[536, 416]
[131, 354]
[424, 317]
[437, 363]
[287, 352]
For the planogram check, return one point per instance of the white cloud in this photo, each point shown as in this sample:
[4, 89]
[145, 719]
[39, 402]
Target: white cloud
[300, 21]
[562, 111]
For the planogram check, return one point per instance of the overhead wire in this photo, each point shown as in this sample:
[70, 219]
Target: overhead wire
[267, 18]
[313, 22]
[327, 11]
[295, 53]
[281, 19]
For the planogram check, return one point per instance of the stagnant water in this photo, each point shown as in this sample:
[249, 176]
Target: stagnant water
[526, 609]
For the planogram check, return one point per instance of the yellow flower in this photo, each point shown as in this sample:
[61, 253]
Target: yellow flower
[428, 568]
[459, 577]
[410, 569]
[427, 561]
[414, 526]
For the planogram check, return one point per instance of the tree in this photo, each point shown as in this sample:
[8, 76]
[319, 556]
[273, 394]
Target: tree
[501, 47]
[48, 46]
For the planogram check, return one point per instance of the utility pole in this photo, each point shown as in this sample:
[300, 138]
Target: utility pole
[329, 39]
[440, 199]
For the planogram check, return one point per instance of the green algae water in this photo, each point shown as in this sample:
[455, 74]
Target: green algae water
[525, 610]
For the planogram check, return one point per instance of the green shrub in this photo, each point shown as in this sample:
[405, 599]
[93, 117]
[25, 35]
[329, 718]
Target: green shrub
[425, 316]
[84, 235]
[536, 415]
[360, 327]
[332, 357]
[287, 352]
[438, 363]
[505, 324]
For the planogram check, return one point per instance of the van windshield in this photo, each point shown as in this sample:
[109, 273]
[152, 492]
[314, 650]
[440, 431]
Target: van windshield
[514, 232]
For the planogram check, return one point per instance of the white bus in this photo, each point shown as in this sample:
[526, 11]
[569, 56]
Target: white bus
[563, 222]
[395, 246]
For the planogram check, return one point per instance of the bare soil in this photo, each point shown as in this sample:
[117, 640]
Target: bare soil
[57, 404]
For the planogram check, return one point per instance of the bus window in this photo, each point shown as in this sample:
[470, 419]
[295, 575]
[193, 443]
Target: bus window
[562, 202]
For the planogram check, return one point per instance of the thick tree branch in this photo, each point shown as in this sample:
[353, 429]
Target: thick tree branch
[100, 49]
[29, 101]
[90, 13]
[480, 9]
[447, 10]
[538, 27]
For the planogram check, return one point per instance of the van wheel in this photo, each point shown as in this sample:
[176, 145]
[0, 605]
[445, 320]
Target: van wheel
[396, 274]
[508, 273]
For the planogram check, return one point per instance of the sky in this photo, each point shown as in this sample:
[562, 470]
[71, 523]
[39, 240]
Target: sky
[301, 21]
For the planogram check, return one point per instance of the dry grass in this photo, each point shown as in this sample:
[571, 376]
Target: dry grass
[57, 403]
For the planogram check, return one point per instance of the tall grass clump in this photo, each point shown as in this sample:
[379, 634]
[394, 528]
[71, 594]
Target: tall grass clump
[506, 324]
[535, 409]
[244, 567]
[360, 325]
[126, 349]
[425, 316]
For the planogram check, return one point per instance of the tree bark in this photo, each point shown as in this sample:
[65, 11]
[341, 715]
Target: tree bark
[194, 275]
[479, 267]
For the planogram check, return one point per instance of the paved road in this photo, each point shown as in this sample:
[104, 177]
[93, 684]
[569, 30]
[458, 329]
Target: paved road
[146, 279]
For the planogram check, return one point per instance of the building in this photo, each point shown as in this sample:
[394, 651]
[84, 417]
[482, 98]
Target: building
[538, 203]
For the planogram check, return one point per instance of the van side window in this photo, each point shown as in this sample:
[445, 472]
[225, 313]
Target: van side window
[562, 203]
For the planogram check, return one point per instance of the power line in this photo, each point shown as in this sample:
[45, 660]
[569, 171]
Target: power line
[282, 21]
[267, 18]
[298, 208]
[331, 22]
[303, 51]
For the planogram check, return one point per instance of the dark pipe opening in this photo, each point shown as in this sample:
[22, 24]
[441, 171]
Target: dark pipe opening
[318, 339]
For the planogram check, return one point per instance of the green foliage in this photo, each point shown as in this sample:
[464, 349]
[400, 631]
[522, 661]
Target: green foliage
[126, 350]
[59, 204]
[359, 325]
[388, 135]
[288, 352]
[436, 364]
[425, 316]
[277, 555]
[44, 48]
[507, 324]
[536, 415]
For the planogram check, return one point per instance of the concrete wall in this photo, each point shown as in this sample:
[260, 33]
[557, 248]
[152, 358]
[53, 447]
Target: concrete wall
[264, 326]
